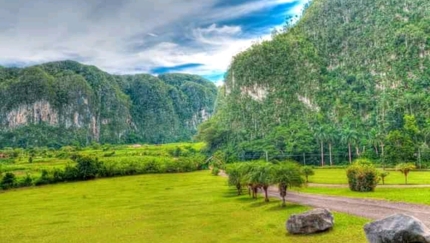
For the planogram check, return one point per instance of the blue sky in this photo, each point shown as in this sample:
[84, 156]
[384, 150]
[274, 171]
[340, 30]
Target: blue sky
[146, 36]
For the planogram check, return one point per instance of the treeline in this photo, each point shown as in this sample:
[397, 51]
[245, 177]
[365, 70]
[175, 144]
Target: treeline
[88, 168]
[347, 81]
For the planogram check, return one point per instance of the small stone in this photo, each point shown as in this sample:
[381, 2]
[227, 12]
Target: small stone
[398, 228]
[314, 221]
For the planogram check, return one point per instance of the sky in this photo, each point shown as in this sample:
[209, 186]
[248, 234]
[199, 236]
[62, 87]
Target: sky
[138, 36]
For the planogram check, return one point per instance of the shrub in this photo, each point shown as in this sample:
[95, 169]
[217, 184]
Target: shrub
[362, 177]
[26, 181]
[215, 171]
[87, 167]
[44, 178]
[70, 173]
[8, 181]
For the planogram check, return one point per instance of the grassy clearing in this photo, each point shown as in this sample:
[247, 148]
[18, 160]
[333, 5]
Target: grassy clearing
[338, 176]
[411, 195]
[193, 207]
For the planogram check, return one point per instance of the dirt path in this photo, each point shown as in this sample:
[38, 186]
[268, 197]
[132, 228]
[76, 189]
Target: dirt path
[379, 186]
[368, 208]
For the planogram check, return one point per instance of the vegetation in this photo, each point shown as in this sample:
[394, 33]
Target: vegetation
[382, 175]
[73, 164]
[405, 168]
[307, 171]
[362, 177]
[261, 175]
[67, 103]
[156, 208]
[347, 81]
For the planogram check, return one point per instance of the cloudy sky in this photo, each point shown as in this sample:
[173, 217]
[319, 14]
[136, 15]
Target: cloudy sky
[138, 36]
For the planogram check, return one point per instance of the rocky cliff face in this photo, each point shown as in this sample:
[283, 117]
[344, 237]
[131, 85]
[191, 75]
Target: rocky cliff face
[66, 102]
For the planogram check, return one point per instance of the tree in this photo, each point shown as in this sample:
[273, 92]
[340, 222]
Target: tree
[307, 171]
[286, 175]
[235, 176]
[405, 168]
[260, 176]
[384, 174]
[321, 136]
[349, 137]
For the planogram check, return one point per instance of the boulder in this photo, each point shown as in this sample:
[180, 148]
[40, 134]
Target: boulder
[314, 221]
[398, 228]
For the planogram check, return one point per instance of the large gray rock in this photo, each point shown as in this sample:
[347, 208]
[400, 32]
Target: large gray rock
[398, 228]
[314, 221]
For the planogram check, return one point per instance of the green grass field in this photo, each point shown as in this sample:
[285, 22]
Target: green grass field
[193, 207]
[338, 176]
[48, 159]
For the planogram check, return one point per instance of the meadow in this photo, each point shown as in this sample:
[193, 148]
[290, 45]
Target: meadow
[184, 207]
[338, 176]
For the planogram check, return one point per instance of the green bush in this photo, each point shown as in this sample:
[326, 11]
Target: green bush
[215, 171]
[87, 167]
[8, 181]
[362, 177]
[44, 178]
[25, 181]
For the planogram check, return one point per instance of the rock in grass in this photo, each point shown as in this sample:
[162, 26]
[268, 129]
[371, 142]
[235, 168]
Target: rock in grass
[314, 221]
[398, 228]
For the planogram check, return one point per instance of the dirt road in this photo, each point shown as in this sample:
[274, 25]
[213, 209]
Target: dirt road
[379, 186]
[368, 208]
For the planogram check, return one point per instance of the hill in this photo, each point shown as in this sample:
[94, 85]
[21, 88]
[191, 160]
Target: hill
[350, 79]
[62, 103]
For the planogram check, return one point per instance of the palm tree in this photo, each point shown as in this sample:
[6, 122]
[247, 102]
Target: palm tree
[260, 176]
[235, 176]
[405, 168]
[331, 137]
[321, 136]
[349, 136]
[286, 175]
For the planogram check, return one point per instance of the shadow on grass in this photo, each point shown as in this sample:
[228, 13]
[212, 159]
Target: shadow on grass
[280, 208]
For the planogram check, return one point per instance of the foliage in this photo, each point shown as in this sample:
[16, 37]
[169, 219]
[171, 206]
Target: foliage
[382, 175]
[215, 171]
[8, 181]
[288, 175]
[307, 171]
[83, 105]
[405, 168]
[349, 79]
[362, 177]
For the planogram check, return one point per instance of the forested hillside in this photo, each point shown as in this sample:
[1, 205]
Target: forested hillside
[62, 103]
[350, 79]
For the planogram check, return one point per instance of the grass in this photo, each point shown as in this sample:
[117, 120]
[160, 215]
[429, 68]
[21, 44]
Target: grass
[411, 195]
[193, 207]
[338, 176]
[47, 159]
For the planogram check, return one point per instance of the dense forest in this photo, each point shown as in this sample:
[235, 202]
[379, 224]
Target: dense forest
[350, 79]
[67, 103]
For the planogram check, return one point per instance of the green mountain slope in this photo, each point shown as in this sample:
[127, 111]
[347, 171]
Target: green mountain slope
[344, 79]
[69, 103]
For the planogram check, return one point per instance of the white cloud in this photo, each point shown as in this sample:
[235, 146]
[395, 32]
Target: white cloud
[122, 36]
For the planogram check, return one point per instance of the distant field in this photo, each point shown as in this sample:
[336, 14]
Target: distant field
[338, 176]
[193, 207]
[48, 159]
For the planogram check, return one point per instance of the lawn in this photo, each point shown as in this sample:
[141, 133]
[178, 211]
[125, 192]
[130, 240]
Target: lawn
[338, 176]
[411, 195]
[193, 207]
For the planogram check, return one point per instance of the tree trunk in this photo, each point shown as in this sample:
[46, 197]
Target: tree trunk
[376, 149]
[266, 196]
[322, 154]
[349, 153]
[283, 193]
[239, 189]
[331, 159]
